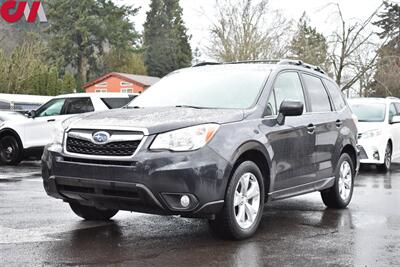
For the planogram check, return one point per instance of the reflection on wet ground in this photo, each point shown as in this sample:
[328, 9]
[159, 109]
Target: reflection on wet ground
[37, 230]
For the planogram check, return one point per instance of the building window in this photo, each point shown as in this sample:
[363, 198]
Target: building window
[126, 83]
[103, 84]
[127, 90]
[103, 90]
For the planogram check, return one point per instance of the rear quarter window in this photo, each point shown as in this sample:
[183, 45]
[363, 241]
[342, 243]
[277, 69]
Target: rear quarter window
[336, 95]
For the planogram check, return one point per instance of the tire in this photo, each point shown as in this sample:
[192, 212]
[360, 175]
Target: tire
[339, 196]
[11, 151]
[385, 167]
[239, 203]
[92, 213]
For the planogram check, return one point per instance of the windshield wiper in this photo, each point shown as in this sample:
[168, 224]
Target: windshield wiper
[134, 107]
[189, 106]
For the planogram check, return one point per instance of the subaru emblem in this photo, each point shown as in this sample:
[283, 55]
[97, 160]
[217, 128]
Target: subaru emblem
[101, 137]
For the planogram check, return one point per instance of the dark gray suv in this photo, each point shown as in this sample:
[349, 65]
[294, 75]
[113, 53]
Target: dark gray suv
[214, 141]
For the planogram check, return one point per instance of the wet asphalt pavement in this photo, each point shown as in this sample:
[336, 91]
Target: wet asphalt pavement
[36, 230]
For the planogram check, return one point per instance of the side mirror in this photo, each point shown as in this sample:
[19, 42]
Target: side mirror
[395, 119]
[32, 114]
[289, 108]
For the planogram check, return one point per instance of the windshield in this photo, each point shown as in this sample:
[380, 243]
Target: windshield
[227, 88]
[369, 112]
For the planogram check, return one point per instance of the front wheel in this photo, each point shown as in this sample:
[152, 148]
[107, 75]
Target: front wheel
[385, 167]
[92, 213]
[244, 202]
[10, 150]
[339, 196]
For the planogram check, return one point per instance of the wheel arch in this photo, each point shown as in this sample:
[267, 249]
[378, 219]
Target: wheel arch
[9, 131]
[351, 151]
[255, 152]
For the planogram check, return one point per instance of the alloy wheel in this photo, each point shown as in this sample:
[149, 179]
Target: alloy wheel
[388, 157]
[8, 149]
[345, 180]
[247, 200]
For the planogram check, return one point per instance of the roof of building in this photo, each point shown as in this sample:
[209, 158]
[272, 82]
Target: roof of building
[133, 78]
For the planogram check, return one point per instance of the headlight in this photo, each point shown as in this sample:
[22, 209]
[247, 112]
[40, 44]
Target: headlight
[187, 139]
[58, 133]
[60, 126]
[370, 134]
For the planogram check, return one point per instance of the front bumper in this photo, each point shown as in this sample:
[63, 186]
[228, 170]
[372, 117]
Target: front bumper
[152, 182]
[373, 151]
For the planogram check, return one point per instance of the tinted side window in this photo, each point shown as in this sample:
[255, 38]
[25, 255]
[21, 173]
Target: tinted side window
[51, 108]
[398, 108]
[316, 91]
[78, 105]
[336, 95]
[392, 112]
[287, 87]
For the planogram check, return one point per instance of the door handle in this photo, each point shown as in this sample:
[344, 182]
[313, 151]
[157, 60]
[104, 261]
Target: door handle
[51, 120]
[339, 123]
[311, 129]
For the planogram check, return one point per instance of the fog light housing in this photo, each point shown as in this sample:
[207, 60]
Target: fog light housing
[180, 201]
[376, 155]
[185, 201]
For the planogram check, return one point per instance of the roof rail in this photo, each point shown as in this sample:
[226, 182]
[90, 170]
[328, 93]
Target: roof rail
[301, 63]
[268, 61]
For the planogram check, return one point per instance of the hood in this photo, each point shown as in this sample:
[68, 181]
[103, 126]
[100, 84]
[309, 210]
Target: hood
[11, 121]
[157, 120]
[368, 126]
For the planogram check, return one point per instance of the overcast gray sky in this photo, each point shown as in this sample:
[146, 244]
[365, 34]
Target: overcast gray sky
[198, 13]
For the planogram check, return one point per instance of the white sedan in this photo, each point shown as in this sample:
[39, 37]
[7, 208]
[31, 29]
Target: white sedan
[27, 137]
[378, 128]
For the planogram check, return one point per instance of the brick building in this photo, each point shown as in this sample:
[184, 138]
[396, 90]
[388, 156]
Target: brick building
[115, 82]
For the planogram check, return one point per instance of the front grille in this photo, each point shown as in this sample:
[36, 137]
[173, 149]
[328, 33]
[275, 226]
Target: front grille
[116, 149]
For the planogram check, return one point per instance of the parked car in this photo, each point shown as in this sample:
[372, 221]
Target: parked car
[21, 103]
[21, 139]
[213, 141]
[379, 129]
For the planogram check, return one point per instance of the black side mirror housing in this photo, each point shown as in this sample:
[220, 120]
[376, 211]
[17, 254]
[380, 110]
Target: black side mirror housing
[32, 114]
[291, 109]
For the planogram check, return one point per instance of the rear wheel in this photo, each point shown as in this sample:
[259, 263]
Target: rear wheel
[10, 150]
[244, 202]
[385, 167]
[339, 196]
[92, 213]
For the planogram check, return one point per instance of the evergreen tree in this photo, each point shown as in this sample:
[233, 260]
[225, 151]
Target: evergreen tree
[124, 61]
[165, 38]
[387, 79]
[309, 45]
[82, 30]
[68, 84]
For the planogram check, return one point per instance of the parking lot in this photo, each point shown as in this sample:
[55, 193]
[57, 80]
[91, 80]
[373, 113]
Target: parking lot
[38, 230]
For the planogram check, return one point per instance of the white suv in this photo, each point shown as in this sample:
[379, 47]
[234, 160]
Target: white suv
[24, 138]
[379, 129]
